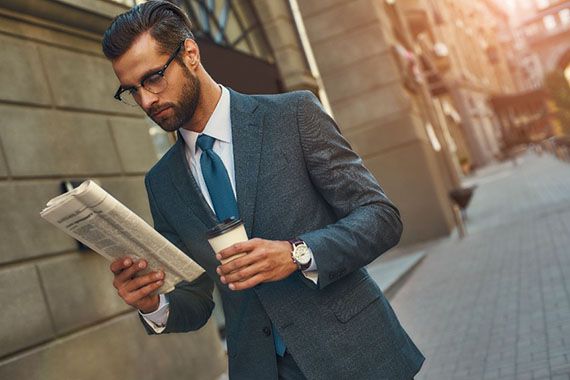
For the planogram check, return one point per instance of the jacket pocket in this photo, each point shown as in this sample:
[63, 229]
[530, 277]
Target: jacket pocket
[355, 300]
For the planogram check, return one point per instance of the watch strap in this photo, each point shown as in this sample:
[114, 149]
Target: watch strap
[296, 242]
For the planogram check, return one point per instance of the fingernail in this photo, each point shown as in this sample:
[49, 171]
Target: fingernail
[159, 282]
[223, 279]
[219, 257]
[218, 270]
[127, 262]
[142, 264]
[232, 287]
[158, 276]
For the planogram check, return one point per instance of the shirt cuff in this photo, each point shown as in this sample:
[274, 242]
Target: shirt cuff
[157, 319]
[311, 272]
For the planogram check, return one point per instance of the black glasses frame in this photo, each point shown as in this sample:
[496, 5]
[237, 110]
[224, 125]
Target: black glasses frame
[160, 72]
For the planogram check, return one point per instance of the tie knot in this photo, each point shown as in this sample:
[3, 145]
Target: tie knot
[205, 142]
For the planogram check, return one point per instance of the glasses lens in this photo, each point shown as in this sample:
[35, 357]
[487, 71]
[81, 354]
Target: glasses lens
[155, 83]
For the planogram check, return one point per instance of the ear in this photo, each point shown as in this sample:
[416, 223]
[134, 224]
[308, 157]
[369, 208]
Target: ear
[191, 53]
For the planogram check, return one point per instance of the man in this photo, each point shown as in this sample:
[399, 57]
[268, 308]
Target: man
[299, 304]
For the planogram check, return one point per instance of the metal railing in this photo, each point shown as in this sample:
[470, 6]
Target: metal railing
[558, 146]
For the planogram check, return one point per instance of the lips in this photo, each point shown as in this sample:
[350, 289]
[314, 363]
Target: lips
[157, 113]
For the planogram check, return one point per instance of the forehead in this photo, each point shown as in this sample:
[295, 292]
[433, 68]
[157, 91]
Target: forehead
[142, 56]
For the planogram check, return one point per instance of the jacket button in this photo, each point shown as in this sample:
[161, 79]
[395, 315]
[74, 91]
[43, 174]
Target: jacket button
[267, 331]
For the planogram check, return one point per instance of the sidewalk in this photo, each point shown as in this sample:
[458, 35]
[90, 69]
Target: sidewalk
[496, 305]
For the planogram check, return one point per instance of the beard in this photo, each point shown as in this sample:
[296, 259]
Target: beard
[184, 109]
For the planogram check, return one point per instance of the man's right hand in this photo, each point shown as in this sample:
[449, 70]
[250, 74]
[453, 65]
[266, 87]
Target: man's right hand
[136, 291]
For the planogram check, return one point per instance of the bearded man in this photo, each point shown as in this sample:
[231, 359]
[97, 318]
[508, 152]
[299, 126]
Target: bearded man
[299, 304]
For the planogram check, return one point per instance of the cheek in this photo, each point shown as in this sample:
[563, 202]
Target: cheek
[169, 96]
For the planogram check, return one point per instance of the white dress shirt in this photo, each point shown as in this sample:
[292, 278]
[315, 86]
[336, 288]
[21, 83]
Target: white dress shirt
[219, 126]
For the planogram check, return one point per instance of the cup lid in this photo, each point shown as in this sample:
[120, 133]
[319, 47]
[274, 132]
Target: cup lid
[225, 226]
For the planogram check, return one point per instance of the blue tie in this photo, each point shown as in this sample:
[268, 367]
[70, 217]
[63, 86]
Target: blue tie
[217, 180]
[278, 342]
[220, 189]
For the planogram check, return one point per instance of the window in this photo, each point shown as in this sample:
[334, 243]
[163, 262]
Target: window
[229, 23]
[436, 145]
[233, 24]
[564, 16]
[549, 22]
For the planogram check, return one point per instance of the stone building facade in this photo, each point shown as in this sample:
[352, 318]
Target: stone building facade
[354, 44]
[62, 318]
[544, 25]
[478, 69]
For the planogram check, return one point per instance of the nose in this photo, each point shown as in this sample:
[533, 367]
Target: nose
[146, 99]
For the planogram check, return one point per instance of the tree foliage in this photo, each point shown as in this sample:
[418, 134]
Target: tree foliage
[559, 90]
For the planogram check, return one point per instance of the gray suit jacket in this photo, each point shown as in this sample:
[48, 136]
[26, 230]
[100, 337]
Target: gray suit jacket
[296, 176]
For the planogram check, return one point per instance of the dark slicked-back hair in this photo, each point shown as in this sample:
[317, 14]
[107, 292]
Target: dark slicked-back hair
[166, 23]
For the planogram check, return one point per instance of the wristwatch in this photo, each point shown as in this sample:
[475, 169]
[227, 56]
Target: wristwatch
[301, 254]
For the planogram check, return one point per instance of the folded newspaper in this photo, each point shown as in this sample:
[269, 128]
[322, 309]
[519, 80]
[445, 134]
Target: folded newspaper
[91, 215]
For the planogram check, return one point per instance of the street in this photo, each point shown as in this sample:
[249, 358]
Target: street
[496, 305]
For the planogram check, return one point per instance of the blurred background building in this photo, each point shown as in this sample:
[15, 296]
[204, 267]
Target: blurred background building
[462, 45]
[545, 27]
[542, 28]
[424, 90]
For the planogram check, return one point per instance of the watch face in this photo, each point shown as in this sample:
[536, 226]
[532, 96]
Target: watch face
[302, 254]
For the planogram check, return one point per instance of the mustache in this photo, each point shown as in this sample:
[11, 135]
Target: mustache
[157, 108]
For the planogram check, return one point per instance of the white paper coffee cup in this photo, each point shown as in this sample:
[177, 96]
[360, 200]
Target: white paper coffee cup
[229, 232]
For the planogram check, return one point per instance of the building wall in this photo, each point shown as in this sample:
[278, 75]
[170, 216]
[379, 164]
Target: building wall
[470, 31]
[277, 22]
[352, 43]
[547, 32]
[61, 316]
[552, 49]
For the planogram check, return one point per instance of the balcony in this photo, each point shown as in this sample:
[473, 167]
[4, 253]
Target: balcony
[548, 24]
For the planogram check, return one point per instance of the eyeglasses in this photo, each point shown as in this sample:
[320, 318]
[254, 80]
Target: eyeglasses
[153, 82]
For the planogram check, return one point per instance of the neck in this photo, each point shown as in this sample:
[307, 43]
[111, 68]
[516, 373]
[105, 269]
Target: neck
[210, 93]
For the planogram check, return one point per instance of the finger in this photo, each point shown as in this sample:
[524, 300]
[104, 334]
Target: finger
[139, 282]
[118, 265]
[246, 273]
[241, 262]
[128, 273]
[243, 247]
[145, 291]
[250, 283]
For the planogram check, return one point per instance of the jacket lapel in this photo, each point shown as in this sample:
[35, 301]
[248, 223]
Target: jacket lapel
[187, 186]
[247, 121]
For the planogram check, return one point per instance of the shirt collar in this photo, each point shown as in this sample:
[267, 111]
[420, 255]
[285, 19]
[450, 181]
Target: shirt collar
[218, 126]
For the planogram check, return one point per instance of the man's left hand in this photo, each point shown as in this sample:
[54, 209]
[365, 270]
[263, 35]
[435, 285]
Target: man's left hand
[264, 261]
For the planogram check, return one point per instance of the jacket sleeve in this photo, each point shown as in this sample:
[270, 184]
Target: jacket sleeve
[368, 223]
[191, 303]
